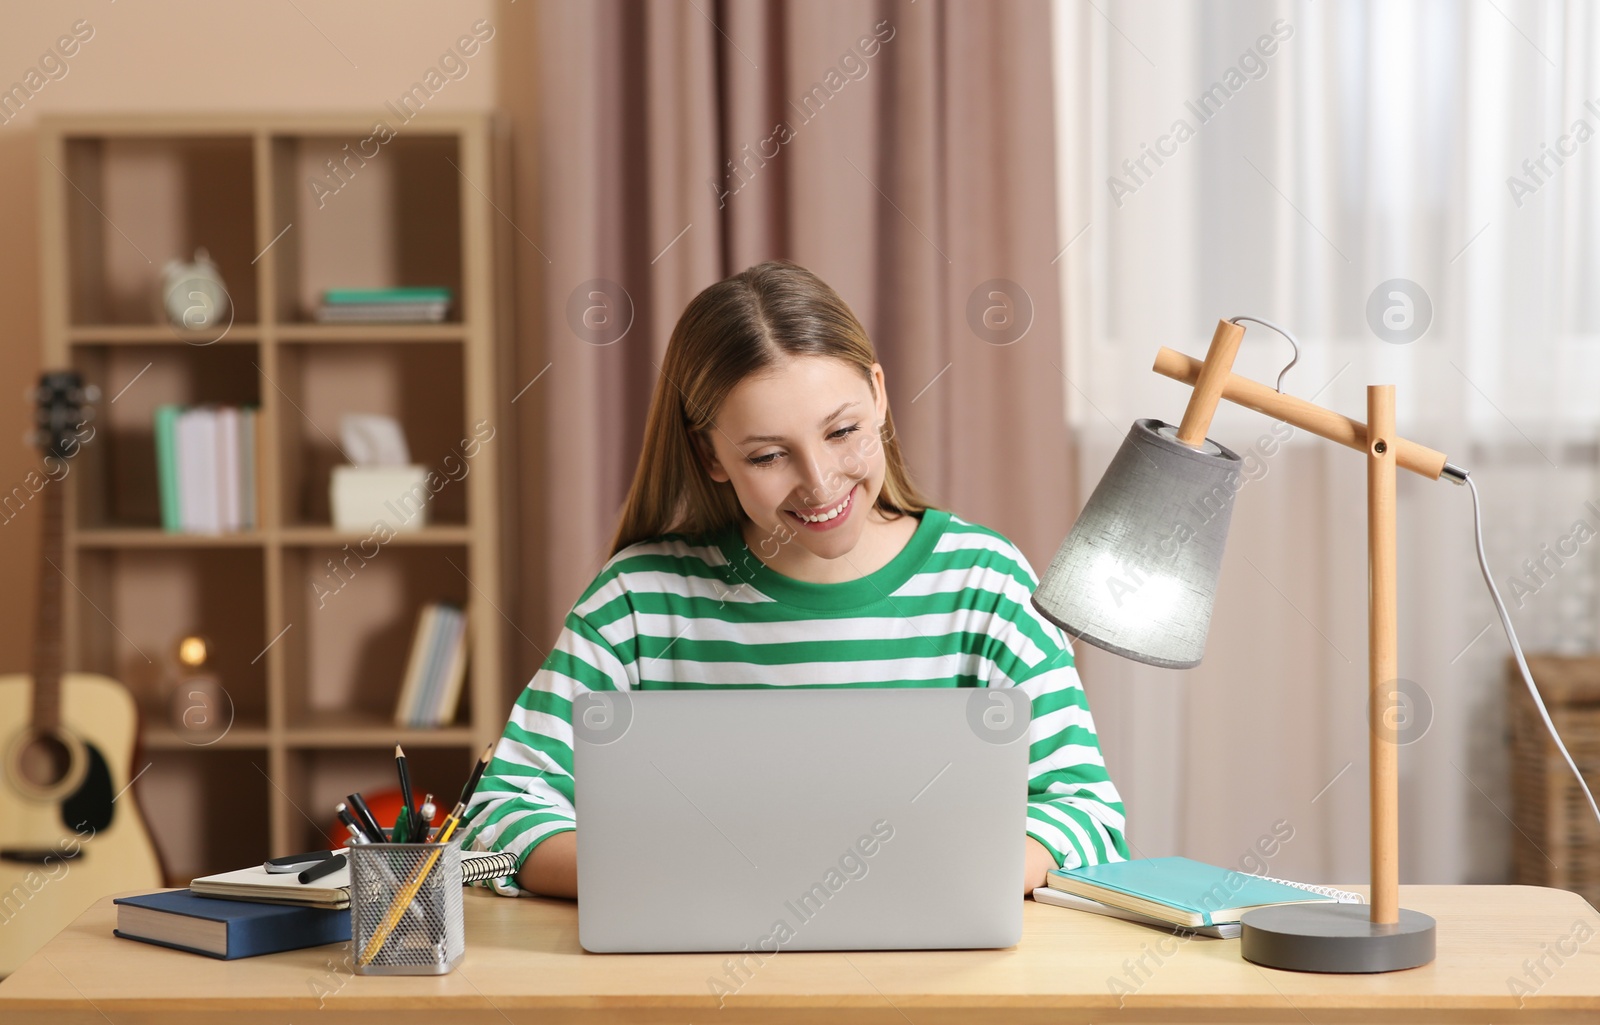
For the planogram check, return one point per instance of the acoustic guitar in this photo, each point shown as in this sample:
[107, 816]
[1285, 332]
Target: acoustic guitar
[70, 831]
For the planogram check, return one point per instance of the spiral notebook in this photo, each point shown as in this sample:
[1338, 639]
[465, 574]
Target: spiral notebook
[332, 891]
[1181, 891]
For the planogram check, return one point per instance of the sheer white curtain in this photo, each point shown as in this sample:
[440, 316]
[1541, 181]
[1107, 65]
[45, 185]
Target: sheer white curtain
[1331, 149]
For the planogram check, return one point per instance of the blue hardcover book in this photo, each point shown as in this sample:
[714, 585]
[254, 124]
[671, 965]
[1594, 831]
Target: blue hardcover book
[1182, 891]
[226, 929]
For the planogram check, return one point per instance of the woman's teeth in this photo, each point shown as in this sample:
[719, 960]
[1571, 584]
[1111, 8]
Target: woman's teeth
[831, 513]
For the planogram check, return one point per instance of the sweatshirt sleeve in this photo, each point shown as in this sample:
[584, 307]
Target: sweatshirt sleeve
[526, 795]
[1073, 807]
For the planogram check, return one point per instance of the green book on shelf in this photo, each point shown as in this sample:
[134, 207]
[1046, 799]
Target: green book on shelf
[341, 296]
[166, 431]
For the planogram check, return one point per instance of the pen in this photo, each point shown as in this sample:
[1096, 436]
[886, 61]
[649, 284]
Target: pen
[357, 834]
[369, 824]
[327, 866]
[425, 819]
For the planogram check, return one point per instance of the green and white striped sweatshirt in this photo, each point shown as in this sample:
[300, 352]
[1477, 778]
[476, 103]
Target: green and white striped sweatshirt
[952, 609]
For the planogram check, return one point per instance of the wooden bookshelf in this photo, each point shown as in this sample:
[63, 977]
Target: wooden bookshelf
[311, 681]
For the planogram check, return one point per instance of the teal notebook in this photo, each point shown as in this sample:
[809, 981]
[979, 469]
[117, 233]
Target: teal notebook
[340, 296]
[1181, 891]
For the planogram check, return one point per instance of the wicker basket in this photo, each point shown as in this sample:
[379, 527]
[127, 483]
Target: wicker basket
[1548, 805]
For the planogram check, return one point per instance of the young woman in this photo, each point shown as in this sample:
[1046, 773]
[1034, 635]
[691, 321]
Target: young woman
[772, 523]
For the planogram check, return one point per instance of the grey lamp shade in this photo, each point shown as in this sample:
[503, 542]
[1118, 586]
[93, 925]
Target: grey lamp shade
[1137, 575]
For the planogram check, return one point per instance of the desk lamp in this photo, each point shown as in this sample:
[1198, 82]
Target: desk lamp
[1137, 576]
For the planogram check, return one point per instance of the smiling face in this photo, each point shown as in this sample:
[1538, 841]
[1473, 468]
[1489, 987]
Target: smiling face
[803, 450]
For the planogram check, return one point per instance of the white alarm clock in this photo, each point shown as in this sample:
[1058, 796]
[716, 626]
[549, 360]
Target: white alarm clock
[193, 295]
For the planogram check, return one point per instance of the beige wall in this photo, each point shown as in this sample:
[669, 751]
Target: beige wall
[165, 56]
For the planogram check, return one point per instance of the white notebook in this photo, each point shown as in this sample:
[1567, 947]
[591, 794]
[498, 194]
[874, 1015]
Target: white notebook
[332, 890]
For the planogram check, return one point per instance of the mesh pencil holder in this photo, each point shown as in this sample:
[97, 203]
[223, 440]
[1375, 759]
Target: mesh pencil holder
[404, 922]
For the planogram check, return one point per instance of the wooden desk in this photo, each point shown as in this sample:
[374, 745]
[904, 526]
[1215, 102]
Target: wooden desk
[524, 965]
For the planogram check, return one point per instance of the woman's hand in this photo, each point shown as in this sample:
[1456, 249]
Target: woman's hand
[552, 869]
[1036, 861]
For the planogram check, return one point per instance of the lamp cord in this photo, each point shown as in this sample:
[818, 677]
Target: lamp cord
[1282, 331]
[1516, 649]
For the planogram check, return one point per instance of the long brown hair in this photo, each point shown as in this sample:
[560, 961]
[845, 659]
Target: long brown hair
[747, 324]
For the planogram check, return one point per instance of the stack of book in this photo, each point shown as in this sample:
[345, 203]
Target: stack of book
[1177, 893]
[384, 305]
[438, 665]
[206, 468]
[251, 911]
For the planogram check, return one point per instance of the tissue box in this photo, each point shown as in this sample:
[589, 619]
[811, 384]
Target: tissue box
[396, 495]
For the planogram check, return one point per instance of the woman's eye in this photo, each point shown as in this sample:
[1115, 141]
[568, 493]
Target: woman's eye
[770, 457]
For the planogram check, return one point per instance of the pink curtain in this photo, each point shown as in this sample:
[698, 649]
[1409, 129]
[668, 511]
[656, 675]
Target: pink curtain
[904, 152]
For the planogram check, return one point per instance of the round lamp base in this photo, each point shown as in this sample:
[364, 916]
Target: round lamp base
[1335, 938]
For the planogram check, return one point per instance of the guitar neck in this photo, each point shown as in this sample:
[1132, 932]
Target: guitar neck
[61, 416]
[48, 641]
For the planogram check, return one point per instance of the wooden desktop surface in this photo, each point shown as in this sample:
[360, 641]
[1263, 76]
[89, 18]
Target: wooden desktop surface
[524, 965]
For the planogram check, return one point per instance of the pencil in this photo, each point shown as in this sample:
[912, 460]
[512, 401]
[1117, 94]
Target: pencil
[405, 795]
[473, 780]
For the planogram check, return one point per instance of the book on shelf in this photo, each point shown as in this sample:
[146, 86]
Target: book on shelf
[384, 305]
[421, 639]
[166, 431]
[226, 929]
[206, 468]
[430, 690]
[256, 884]
[1183, 892]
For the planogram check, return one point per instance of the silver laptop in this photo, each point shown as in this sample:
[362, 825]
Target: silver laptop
[800, 819]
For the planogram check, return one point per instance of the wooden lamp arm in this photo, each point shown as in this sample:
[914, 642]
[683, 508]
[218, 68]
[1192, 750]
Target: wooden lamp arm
[1297, 412]
[1208, 384]
[1383, 659]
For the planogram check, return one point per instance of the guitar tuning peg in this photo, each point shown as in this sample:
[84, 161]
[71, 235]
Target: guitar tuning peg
[85, 414]
[33, 439]
[91, 393]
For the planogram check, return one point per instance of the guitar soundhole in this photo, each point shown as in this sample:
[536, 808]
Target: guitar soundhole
[45, 761]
